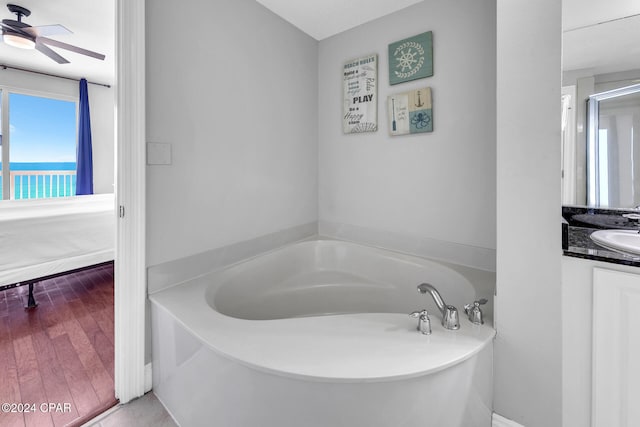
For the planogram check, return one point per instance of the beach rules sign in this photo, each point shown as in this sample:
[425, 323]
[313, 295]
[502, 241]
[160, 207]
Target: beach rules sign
[360, 95]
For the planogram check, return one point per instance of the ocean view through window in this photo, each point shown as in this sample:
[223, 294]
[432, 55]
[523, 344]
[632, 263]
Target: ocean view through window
[40, 180]
[38, 146]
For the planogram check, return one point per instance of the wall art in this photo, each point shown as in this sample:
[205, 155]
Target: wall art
[410, 112]
[360, 95]
[411, 58]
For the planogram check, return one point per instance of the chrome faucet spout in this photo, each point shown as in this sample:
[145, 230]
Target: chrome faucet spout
[449, 312]
[437, 298]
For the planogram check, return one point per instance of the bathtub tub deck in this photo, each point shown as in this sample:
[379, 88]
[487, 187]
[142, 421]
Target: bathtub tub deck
[345, 347]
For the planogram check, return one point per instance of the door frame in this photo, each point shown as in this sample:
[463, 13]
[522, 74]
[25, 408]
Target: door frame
[130, 258]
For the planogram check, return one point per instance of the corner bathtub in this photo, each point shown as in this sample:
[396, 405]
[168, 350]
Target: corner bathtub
[317, 334]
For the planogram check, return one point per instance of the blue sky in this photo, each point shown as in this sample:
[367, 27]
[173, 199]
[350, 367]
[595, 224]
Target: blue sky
[42, 129]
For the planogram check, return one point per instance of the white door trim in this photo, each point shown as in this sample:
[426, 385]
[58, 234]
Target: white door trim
[130, 263]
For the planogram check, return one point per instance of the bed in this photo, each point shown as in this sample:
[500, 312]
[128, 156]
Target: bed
[44, 238]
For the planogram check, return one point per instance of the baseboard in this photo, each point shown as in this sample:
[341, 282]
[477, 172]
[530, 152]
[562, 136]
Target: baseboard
[500, 421]
[148, 377]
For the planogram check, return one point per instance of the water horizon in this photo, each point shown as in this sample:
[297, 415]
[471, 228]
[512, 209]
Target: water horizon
[41, 166]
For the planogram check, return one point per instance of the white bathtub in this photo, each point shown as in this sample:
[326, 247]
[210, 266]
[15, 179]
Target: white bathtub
[317, 334]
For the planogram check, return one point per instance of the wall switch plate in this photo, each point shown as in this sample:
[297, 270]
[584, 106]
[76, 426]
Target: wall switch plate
[158, 153]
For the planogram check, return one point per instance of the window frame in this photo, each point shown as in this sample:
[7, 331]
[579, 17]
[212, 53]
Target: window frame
[5, 92]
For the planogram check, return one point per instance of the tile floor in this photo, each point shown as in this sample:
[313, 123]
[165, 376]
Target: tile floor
[142, 412]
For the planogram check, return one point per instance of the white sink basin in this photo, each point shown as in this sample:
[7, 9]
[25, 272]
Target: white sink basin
[627, 241]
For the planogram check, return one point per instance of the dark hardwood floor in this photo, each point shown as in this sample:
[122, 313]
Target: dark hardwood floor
[58, 356]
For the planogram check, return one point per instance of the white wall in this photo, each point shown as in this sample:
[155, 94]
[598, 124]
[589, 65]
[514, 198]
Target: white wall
[101, 104]
[238, 104]
[438, 185]
[528, 353]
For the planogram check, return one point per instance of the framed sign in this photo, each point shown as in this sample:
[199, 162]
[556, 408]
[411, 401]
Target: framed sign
[411, 58]
[360, 95]
[410, 112]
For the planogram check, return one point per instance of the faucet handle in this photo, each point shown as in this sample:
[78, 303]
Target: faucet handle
[424, 323]
[478, 303]
[417, 314]
[474, 312]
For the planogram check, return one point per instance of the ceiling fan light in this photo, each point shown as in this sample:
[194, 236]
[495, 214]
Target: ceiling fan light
[18, 40]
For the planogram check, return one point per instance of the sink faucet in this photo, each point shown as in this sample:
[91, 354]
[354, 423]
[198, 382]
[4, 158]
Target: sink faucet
[449, 312]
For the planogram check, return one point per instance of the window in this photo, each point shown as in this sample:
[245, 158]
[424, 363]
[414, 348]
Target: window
[38, 140]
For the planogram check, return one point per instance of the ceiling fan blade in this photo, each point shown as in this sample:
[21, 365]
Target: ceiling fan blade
[72, 48]
[50, 53]
[48, 30]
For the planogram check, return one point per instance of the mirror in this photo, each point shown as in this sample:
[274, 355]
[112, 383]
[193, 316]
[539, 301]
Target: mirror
[601, 53]
[613, 148]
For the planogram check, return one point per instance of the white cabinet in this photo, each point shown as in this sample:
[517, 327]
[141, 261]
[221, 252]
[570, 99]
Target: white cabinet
[616, 348]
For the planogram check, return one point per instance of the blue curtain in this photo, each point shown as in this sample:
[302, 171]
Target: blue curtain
[84, 160]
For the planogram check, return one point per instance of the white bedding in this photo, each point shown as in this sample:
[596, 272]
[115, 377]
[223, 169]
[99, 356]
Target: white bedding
[42, 237]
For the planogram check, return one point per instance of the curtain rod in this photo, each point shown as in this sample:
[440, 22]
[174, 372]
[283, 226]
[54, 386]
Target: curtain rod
[11, 67]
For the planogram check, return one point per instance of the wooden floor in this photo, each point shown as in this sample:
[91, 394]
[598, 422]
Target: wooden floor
[59, 353]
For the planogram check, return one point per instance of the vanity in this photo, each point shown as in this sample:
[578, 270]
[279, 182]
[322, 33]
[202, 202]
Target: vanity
[601, 247]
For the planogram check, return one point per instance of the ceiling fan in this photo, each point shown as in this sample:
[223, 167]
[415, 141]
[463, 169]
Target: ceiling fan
[19, 34]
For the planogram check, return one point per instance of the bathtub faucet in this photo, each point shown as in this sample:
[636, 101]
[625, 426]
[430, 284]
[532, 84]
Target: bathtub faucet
[449, 312]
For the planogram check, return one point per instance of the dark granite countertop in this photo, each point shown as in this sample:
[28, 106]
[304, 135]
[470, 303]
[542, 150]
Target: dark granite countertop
[581, 222]
[581, 246]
